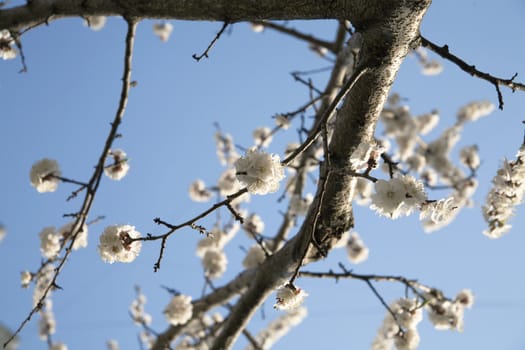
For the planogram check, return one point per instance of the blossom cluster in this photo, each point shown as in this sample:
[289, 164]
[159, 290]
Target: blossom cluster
[116, 244]
[7, 50]
[507, 192]
[260, 172]
[289, 297]
[179, 310]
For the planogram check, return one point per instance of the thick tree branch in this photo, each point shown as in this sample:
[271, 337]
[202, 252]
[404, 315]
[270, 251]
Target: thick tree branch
[444, 52]
[40, 12]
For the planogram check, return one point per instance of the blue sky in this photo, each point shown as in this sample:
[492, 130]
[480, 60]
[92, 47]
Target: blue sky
[61, 108]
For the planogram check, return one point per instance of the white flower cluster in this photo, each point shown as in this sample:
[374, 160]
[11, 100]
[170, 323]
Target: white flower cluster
[448, 314]
[112, 344]
[408, 315]
[42, 278]
[225, 148]
[58, 346]
[214, 262]
[163, 30]
[299, 205]
[198, 191]
[47, 323]
[3, 232]
[278, 328]
[428, 67]
[366, 156]
[120, 167]
[116, 244]
[356, 249]
[137, 312]
[5, 334]
[262, 136]
[507, 192]
[253, 225]
[289, 297]
[52, 240]
[43, 175]
[259, 171]
[7, 50]
[254, 257]
[179, 310]
[398, 196]
[282, 121]
[25, 278]
[95, 23]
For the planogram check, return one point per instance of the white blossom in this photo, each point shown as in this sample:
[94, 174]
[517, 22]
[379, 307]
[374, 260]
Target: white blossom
[362, 191]
[119, 167]
[137, 311]
[408, 340]
[289, 297]
[43, 175]
[214, 262]
[278, 328]
[254, 257]
[365, 156]
[388, 197]
[95, 23]
[179, 310]
[49, 242]
[257, 27]
[163, 30]
[59, 346]
[260, 172]
[112, 345]
[25, 278]
[507, 192]
[299, 205]
[225, 148]
[262, 136]
[3, 232]
[198, 191]
[446, 314]
[253, 225]
[81, 240]
[469, 157]
[116, 245]
[216, 238]
[426, 122]
[474, 110]
[282, 121]
[47, 323]
[431, 68]
[439, 211]
[356, 249]
[43, 278]
[5, 334]
[7, 50]
[465, 297]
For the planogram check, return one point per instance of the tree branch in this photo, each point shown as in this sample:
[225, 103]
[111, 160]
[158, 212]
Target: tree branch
[97, 174]
[444, 52]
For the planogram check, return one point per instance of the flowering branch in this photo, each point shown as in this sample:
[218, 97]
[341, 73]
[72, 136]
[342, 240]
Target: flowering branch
[444, 52]
[94, 182]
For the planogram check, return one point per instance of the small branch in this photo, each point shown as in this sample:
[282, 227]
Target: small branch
[444, 52]
[326, 115]
[212, 43]
[296, 34]
[190, 222]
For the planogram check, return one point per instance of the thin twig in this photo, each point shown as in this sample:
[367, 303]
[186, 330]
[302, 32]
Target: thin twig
[444, 52]
[295, 33]
[212, 43]
[326, 115]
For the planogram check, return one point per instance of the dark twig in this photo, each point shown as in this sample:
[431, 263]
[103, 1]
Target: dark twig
[326, 115]
[444, 52]
[212, 43]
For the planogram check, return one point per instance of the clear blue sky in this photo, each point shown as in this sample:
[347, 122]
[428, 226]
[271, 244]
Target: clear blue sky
[61, 108]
